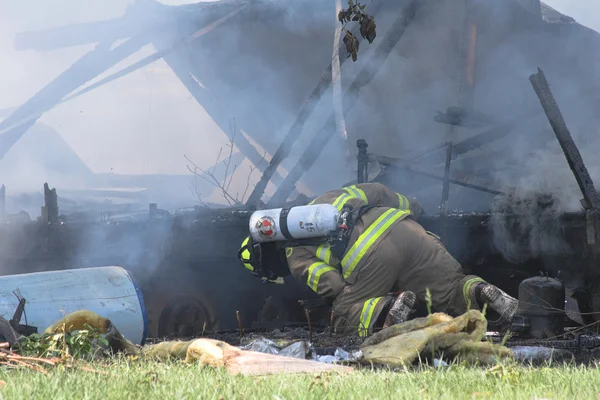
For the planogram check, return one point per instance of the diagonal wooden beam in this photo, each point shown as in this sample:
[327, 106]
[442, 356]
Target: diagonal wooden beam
[138, 16]
[86, 68]
[567, 144]
[166, 50]
[296, 129]
[181, 68]
[75, 35]
[364, 77]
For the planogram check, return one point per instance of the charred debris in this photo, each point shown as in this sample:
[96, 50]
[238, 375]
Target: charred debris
[180, 257]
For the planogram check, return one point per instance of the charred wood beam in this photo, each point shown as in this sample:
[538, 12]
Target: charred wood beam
[455, 178]
[154, 15]
[490, 135]
[486, 137]
[75, 35]
[336, 76]
[373, 64]
[363, 161]
[561, 131]
[83, 70]
[458, 116]
[155, 56]
[296, 129]
[2, 203]
[481, 139]
[137, 17]
[181, 68]
[50, 208]
[446, 193]
[88, 67]
[460, 179]
[463, 90]
[418, 156]
[119, 74]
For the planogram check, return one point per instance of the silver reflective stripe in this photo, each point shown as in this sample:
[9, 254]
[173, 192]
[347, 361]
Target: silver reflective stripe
[403, 202]
[367, 315]
[341, 200]
[324, 253]
[315, 271]
[357, 193]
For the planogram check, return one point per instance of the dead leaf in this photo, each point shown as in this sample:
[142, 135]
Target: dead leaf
[367, 28]
[351, 45]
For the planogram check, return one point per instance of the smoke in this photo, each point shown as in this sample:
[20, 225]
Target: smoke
[144, 123]
[135, 131]
[131, 133]
[395, 112]
[258, 72]
[527, 226]
[140, 124]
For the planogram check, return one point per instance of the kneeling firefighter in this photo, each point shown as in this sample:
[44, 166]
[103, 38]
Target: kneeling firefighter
[361, 247]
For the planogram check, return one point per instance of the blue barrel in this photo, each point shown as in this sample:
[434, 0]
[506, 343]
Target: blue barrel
[110, 292]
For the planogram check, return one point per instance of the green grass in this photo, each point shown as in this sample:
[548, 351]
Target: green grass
[142, 379]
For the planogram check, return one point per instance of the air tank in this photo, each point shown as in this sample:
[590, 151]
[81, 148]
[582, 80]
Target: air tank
[542, 302]
[301, 222]
[110, 292]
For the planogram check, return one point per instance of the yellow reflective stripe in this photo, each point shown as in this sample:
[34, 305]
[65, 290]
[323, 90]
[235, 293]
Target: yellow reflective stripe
[312, 202]
[467, 287]
[324, 253]
[357, 193]
[341, 200]
[403, 202]
[246, 255]
[314, 274]
[366, 316]
[366, 240]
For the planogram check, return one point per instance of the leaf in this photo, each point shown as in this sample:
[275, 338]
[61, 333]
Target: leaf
[351, 44]
[367, 28]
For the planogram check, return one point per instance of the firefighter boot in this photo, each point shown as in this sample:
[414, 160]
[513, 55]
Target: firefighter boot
[498, 301]
[401, 308]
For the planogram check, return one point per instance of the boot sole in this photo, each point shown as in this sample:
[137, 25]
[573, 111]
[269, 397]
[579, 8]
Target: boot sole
[402, 307]
[498, 300]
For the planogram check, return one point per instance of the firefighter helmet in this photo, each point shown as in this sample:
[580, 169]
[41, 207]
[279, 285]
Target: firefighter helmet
[265, 260]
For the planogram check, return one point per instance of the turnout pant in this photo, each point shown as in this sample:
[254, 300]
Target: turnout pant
[407, 258]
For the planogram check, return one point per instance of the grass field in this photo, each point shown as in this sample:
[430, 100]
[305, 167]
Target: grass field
[140, 380]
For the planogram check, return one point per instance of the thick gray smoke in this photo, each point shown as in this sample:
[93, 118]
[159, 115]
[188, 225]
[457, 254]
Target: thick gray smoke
[259, 69]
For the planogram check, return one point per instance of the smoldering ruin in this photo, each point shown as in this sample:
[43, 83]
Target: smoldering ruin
[485, 112]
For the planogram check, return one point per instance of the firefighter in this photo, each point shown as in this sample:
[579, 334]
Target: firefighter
[388, 264]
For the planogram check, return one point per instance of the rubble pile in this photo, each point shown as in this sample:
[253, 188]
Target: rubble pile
[437, 339]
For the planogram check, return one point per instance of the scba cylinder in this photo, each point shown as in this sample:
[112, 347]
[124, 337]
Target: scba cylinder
[302, 222]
